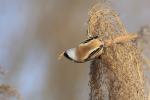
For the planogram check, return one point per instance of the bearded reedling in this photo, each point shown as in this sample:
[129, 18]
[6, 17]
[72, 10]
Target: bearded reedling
[93, 47]
[85, 51]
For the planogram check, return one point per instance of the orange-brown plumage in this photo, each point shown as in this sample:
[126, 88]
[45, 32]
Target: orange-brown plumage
[84, 50]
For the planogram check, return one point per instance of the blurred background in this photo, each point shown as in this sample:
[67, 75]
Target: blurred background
[34, 32]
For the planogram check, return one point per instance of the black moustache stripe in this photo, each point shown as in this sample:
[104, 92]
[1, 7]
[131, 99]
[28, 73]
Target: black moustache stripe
[67, 56]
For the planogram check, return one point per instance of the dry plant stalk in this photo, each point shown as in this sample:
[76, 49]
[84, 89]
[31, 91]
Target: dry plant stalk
[7, 92]
[118, 74]
[120, 39]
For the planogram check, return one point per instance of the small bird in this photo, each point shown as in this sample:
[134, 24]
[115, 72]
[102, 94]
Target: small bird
[93, 47]
[87, 50]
